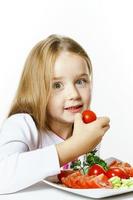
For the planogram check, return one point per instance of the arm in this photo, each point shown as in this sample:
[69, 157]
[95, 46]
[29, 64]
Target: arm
[21, 170]
[84, 139]
[21, 162]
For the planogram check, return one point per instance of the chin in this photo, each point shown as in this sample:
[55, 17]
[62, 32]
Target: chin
[68, 120]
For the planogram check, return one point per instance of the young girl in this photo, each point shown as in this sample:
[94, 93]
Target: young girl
[44, 128]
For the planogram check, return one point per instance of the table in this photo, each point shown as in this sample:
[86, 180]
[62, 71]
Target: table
[42, 191]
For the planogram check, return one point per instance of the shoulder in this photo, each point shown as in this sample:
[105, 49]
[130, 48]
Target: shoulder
[18, 120]
[20, 127]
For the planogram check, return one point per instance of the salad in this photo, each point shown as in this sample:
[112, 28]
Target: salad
[94, 172]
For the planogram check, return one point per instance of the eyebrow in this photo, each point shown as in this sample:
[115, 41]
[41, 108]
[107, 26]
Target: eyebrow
[77, 76]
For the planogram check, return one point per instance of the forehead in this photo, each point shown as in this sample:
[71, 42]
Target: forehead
[69, 64]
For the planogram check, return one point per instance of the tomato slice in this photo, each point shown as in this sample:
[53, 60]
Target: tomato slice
[72, 180]
[117, 171]
[100, 181]
[96, 170]
[65, 173]
[116, 163]
[126, 167]
[129, 171]
[79, 181]
[88, 116]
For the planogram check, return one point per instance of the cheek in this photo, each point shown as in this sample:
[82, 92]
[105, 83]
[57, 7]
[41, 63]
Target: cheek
[88, 100]
[54, 105]
[87, 97]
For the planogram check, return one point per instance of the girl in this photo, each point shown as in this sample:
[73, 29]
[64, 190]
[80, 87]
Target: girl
[44, 128]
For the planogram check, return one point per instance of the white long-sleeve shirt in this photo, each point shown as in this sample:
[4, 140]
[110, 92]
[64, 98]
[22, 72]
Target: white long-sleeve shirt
[26, 155]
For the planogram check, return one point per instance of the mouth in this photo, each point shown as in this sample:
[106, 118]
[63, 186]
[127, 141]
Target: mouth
[74, 109]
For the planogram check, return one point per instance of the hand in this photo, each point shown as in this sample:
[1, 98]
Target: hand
[84, 139]
[87, 136]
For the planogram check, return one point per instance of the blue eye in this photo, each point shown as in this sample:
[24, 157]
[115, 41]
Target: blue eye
[81, 81]
[57, 85]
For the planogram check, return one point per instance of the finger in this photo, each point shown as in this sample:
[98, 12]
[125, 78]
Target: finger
[106, 128]
[78, 118]
[104, 121]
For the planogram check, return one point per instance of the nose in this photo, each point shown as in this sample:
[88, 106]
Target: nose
[72, 93]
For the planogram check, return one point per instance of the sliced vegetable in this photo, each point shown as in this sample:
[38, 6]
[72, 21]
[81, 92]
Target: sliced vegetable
[64, 173]
[116, 171]
[96, 170]
[77, 180]
[117, 182]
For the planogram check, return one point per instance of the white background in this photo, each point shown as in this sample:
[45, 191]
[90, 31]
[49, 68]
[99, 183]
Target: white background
[104, 28]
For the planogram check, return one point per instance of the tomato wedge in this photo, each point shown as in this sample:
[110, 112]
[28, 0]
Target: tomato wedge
[117, 171]
[96, 170]
[126, 167]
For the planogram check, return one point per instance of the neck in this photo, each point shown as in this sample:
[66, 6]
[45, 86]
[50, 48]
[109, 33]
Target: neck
[64, 130]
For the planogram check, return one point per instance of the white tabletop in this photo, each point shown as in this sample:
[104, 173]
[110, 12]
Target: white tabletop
[42, 191]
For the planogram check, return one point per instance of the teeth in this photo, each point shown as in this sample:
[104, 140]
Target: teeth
[74, 107]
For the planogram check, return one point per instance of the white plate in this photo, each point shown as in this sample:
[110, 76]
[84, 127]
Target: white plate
[92, 193]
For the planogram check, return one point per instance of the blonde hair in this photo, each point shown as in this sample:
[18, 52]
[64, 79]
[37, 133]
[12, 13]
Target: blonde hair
[35, 84]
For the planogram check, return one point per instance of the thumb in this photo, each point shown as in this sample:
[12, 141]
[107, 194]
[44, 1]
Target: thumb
[78, 118]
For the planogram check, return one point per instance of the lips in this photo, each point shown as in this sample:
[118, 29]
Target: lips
[74, 108]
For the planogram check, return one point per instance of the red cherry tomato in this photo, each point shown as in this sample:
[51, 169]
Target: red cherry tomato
[116, 171]
[96, 170]
[88, 116]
